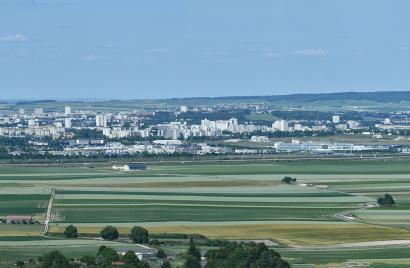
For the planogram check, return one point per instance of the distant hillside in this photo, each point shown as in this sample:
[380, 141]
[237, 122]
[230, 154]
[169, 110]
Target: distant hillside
[366, 101]
[380, 96]
[384, 96]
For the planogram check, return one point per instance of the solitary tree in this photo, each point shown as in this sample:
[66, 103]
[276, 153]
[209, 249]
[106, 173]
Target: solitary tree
[71, 231]
[193, 256]
[139, 235]
[288, 180]
[386, 200]
[109, 233]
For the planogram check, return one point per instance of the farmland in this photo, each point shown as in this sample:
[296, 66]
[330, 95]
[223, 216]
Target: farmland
[222, 201]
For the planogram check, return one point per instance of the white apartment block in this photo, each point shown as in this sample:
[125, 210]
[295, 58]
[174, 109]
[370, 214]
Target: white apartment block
[101, 121]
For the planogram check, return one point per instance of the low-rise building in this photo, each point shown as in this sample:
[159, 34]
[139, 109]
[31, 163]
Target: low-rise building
[130, 166]
[19, 219]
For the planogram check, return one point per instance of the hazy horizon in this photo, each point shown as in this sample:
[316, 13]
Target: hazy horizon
[133, 49]
[169, 98]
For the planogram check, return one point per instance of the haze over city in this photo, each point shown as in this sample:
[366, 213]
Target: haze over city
[160, 49]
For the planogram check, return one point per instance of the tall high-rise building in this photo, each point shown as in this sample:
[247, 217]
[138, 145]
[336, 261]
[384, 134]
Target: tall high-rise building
[22, 111]
[387, 121]
[67, 123]
[184, 109]
[101, 121]
[67, 110]
[336, 119]
[38, 111]
[281, 125]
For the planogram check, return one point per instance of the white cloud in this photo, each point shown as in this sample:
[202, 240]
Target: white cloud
[158, 51]
[94, 57]
[311, 52]
[90, 57]
[50, 2]
[359, 54]
[13, 38]
[271, 55]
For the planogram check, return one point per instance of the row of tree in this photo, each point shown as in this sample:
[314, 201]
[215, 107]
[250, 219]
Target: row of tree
[138, 234]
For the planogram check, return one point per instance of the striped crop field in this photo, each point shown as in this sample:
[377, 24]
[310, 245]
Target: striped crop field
[229, 201]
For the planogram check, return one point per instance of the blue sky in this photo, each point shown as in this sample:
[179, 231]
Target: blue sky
[186, 48]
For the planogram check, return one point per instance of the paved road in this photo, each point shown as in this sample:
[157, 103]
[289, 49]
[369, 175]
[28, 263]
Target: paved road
[48, 216]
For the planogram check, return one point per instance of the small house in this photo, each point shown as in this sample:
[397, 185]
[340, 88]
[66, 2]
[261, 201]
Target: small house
[19, 219]
[130, 166]
[145, 253]
[136, 166]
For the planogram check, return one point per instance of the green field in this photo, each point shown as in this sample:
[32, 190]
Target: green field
[229, 201]
[25, 249]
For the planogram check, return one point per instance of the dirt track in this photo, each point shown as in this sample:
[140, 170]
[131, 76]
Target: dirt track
[357, 245]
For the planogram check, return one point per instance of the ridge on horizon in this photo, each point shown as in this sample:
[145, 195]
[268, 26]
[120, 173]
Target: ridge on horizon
[322, 96]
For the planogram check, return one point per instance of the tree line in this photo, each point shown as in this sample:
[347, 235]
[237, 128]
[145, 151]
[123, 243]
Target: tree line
[138, 234]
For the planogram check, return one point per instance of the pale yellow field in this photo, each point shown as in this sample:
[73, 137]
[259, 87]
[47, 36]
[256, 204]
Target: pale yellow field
[288, 234]
[20, 230]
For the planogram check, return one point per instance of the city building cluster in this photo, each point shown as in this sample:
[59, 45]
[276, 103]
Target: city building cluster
[87, 132]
